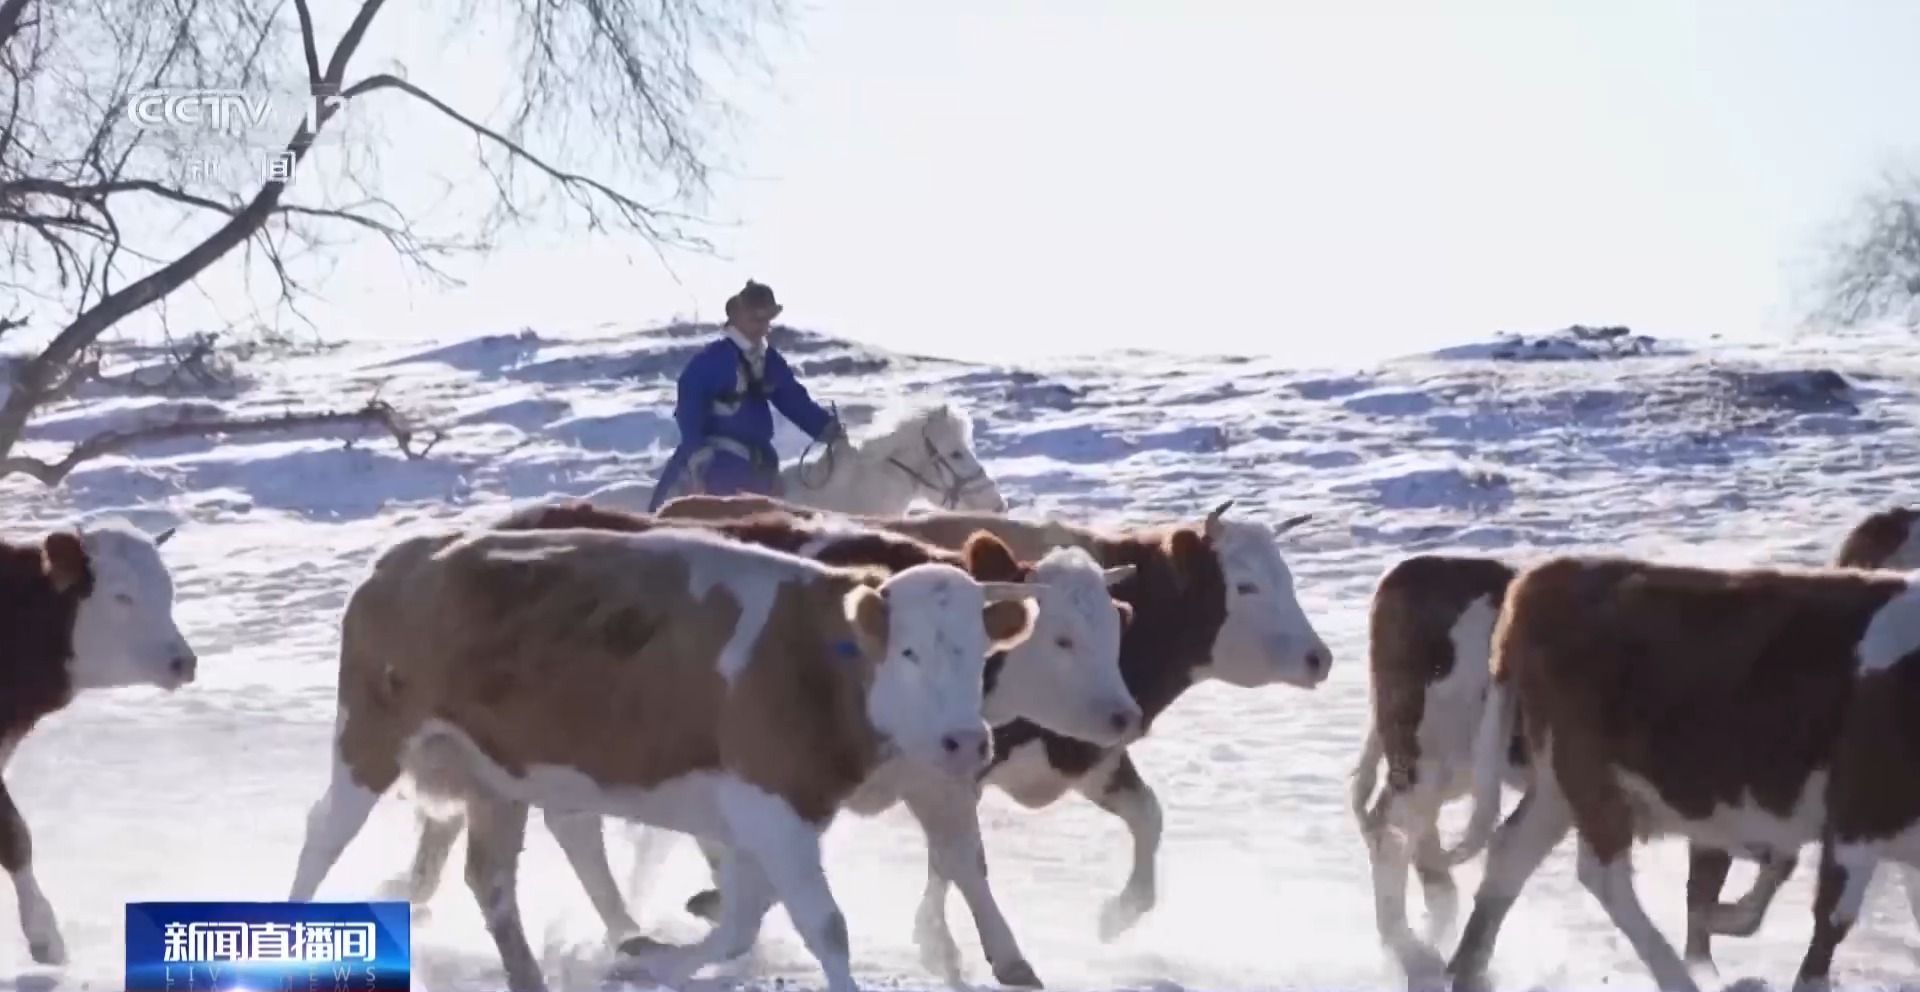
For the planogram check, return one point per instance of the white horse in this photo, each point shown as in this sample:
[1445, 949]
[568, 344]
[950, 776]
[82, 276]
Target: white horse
[928, 454]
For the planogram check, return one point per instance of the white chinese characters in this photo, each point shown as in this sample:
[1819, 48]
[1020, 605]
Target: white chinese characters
[250, 943]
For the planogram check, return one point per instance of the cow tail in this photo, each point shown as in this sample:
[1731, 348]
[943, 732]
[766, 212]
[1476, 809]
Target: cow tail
[1489, 765]
[1367, 773]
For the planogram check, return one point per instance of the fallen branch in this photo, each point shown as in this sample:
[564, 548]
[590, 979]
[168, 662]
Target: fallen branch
[376, 413]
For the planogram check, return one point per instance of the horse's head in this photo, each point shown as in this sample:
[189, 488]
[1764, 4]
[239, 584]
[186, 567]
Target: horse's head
[947, 469]
[939, 456]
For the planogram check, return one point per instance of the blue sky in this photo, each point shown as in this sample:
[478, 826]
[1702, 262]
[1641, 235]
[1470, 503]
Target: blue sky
[1007, 178]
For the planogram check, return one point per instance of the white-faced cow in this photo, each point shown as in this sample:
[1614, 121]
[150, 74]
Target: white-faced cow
[1743, 709]
[1065, 676]
[1210, 601]
[88, 608]
[1431, 626]
[675, 677]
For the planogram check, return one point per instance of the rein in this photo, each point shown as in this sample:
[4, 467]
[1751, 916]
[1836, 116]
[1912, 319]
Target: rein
[951, 490]
[953, 486]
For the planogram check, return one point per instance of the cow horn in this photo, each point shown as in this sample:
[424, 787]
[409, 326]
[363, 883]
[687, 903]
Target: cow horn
[161, 538]
[1292, 522]
[1214, 516]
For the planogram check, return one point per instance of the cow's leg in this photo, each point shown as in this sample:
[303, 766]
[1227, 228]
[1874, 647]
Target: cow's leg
[766, 828]
[1610, 879]
[498, 830]
[1437, 888]
[1515, 852]
[950, 818]
[1743, 918]
[1845, 872]
[1115, 785]
[1910, 877]
[438, 831]
[938, 951]
[706, 902]
[585, 845]
[1396, 826]
[749, 895]
[37, 920]
[1707, 869]
[334, 820]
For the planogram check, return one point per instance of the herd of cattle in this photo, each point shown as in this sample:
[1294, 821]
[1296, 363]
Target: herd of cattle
[741, 670]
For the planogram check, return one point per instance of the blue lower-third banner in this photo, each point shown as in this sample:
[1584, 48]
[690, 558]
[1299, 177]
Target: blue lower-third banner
[269, 946]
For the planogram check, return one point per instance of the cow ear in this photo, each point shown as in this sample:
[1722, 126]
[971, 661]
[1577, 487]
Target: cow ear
[1126, 613]
[1009, 622]
[868, 613]
[64, 559]
[989, 559]
[1187, 551]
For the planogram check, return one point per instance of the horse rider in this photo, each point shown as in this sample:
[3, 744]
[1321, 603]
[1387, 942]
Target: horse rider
[727, 395]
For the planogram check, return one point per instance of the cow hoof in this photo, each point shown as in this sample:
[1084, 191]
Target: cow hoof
[50, 951]
[1423, 966]
[1475, 981]
[938, 953]
[1017, 974]
[705, 905]
[640, 946]
[1119, 915]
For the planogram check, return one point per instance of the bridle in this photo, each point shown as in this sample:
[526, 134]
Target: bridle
[951, 485]
[955, 484]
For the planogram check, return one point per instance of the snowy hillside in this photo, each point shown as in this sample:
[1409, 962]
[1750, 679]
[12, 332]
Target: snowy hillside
[1578, 443]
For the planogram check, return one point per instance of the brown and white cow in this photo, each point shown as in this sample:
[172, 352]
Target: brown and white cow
[1064, 676]
[1211, 601]
[674, 677]
[1888, 539]
[1753, 709]
[1431, 627]
[1430, 634]
[88, 608]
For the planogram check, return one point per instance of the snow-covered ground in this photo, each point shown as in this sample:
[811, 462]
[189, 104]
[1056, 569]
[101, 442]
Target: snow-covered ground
[1707, 453]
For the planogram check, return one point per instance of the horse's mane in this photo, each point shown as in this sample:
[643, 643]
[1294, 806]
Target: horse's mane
[892, 419]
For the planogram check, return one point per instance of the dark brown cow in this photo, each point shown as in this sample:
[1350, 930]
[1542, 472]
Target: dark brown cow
[1744, 709]
[83, 609]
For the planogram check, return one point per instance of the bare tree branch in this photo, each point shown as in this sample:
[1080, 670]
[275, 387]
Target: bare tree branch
[1873, 268]
[377, 413]
[98, 224]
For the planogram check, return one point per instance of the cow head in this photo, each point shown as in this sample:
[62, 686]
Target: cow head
[124, 632]
[1066, 675]
[1265, 637]
[933, 626]
[1905, 555]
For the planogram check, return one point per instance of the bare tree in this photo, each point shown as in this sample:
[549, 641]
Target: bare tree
[97, 223]
[1873, 272]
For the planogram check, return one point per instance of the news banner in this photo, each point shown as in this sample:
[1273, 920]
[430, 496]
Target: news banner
[269, 947]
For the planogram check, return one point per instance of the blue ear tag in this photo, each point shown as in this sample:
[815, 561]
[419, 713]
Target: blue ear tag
[846, 650]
